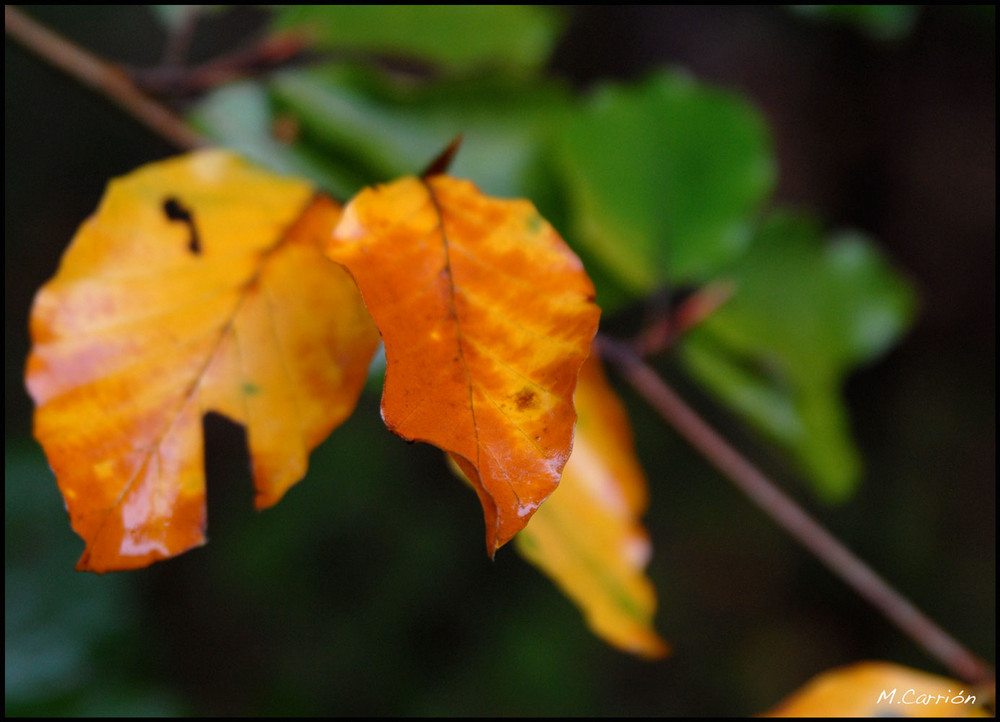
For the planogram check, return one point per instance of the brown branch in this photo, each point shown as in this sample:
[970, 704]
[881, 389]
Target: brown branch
[667, 327]
[101, 76]
[789, 515]
[174, 79]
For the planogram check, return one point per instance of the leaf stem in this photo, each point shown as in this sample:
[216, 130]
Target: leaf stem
[99, 75]
[789, 515]
[668, 326]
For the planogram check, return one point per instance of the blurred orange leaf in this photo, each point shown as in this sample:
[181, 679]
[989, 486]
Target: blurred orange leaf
[587, 536]
[881, 689]
[199, 285]
[486, 315]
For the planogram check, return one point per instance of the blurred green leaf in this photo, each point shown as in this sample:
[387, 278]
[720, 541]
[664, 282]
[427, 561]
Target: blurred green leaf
[354, 126]
[805, 312]
[63, 654]
[456, 37]
[392, 128]
[240, 116]
[664, 178]
[882, 22]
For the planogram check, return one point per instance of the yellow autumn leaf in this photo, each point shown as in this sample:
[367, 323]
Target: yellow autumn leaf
[199, 285]
[587, 536]
[881, 689]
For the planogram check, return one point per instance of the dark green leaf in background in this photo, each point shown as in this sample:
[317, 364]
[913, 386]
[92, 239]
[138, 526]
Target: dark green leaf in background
[393, 128]
[69, 639]
[240, 116]
[881, 22]
[514, 38]
[355, 126]
[665, 179]
[804, 313]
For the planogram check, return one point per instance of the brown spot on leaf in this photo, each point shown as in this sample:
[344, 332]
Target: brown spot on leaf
[526, 399]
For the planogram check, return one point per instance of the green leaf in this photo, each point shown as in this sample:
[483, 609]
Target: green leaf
[455, 37]
[240, 116]
[665, 178]
[882, 22]
[389, 128]
[354, 126]
[805, 312]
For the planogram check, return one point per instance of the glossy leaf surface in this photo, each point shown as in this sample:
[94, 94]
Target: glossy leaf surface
[804, 312]
[486, 316]
[199, 285]
[587, 536]
[881, 689]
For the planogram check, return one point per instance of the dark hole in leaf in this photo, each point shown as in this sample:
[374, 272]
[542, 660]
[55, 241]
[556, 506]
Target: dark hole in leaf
[176, 212]
[228, 478]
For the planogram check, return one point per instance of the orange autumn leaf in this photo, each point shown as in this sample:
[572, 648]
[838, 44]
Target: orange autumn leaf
[486, 315]
[199, 285]
[881, 689]
[587, 536]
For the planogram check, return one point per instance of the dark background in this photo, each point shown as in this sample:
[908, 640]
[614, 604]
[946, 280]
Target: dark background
[367, 591]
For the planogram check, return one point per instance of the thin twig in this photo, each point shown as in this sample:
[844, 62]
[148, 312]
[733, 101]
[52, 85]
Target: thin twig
[271, 52]
[787, 513]
[100, 75]
[667, 327]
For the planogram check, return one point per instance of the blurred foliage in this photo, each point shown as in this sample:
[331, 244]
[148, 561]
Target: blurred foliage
[804, 312]
[175, 17]
[882, 22]
[511, 38]
[352, 125]
[69, 640]
[664, 181]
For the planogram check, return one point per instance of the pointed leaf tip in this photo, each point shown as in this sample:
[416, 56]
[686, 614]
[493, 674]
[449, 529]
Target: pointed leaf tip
[443, 162]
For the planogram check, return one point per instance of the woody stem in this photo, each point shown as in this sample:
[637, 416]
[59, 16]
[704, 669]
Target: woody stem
[100, 75]
[789, 515]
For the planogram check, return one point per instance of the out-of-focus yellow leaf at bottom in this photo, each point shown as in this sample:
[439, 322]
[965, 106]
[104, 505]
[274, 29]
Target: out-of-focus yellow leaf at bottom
[587, 536]
[881, 689]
